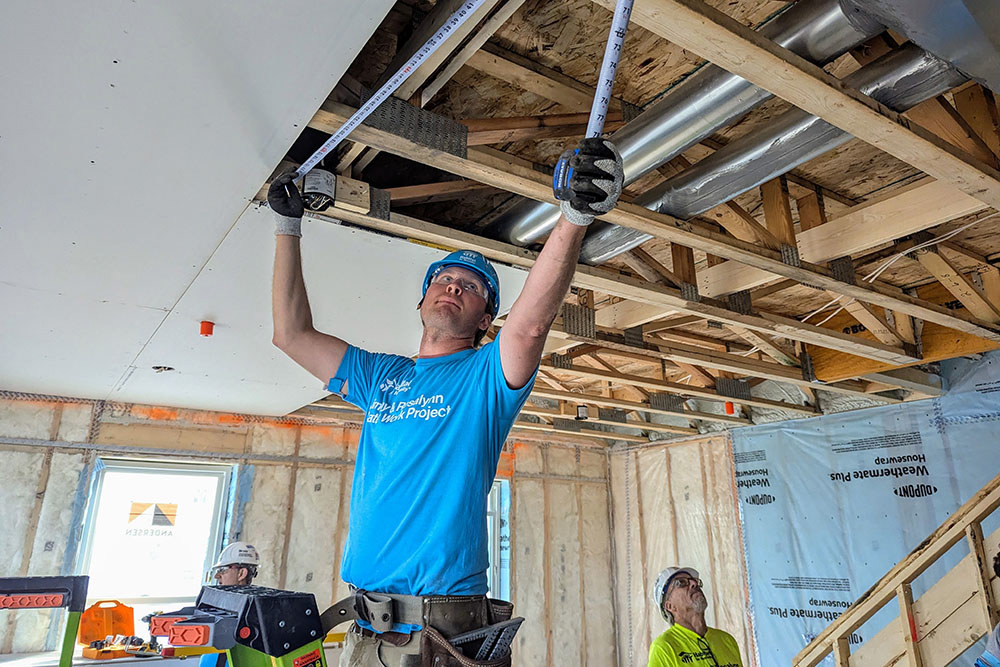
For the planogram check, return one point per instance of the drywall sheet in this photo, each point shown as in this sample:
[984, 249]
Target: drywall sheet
[675, 505]
[830, 504]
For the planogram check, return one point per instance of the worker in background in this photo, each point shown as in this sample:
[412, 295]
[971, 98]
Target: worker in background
[991, 656]
[435, 426]
[680, 598]
[236, 566]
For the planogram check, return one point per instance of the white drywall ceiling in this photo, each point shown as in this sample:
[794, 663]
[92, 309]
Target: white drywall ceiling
[132, 137]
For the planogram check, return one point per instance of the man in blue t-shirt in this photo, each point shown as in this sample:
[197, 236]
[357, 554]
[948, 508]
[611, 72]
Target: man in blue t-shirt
[416, 552]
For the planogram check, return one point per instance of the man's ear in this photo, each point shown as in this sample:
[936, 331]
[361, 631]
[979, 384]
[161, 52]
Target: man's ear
[485, 322]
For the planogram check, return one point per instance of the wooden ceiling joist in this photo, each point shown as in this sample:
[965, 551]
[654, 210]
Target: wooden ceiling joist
[664, 386]
[691, 355]
[701, 29]
[644, 406]
[617, 284]
[532, 409]
[489, 169]
[501, 130]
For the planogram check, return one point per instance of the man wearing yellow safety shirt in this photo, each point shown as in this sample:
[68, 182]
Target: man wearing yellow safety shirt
[688, 641]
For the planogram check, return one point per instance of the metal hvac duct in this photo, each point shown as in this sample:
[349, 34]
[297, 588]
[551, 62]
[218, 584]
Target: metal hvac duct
[709, 99]
[900, 80]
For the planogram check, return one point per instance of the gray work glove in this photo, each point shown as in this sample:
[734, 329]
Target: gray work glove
[286, 202]
[596, 182]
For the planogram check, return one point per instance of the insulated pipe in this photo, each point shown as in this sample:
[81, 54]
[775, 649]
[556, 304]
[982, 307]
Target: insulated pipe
[709, 99]
[900, 80]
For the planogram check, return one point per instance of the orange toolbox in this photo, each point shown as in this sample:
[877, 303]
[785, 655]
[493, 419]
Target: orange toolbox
[104, 618]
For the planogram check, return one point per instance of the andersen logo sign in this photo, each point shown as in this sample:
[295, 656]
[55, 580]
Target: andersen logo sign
[151, 520]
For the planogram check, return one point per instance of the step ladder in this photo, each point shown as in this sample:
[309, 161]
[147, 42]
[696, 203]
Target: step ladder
[958, 610]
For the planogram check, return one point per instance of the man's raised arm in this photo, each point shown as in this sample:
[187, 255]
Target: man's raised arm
[294, 334]
[596, 183]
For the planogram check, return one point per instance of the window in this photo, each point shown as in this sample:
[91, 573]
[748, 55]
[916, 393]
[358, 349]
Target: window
[153, 529]
[498, 532]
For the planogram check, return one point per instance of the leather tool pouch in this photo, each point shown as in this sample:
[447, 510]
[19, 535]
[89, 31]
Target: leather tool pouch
[436, 651]
[452, 619]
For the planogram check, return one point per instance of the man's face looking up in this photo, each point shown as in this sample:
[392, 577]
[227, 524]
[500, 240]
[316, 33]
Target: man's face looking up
[455, 302]
[684, 593]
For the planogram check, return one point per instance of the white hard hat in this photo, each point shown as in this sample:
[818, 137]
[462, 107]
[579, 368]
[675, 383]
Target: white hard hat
[660, 587]
[238, 553]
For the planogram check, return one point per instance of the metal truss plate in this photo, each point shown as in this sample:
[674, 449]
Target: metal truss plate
[740, 302]
[562, 360]
[611, 414]
[714, 324]
[567, 424]
[423, 127]
[733, 388]
[380, 203]
[671, 402]
[807, 367]
[790, 255]
[690, 292]
[579, 320]
[843, 269]
[633, 336]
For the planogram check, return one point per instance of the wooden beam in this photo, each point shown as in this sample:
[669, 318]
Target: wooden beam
[910, 379]
[699, 375]
[978, 107]
[476, 42]
[908, 624]
[699, 28]
[517, 128]
[873, 321]
[661, 271]
[618, 284]
[812, 213]
[958, 284]
[984, 591]
[937, 116]
[777, 211]
[674, 388]
[410, 195]
[735, 220]
[911, 209]
[582, 432]
[682, 258]
[436, 18]
[610, 402]
[936, 342]
[770, 348]
[531, 409]
[488, 169]
[531, 76]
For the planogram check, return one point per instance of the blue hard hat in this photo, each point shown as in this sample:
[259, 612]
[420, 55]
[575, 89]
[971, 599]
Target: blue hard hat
[473, 261]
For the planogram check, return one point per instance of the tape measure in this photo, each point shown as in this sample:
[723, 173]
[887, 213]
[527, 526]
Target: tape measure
[602, 97]
[390, 86]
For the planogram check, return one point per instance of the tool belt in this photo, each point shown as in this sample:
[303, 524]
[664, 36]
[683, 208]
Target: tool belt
[462, 630]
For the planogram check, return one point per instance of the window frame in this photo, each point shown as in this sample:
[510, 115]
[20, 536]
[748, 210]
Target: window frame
[220, 510]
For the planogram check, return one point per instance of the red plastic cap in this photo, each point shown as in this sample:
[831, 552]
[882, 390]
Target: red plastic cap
[207, 328]
[730, 408]
[189, 635]
[244, 632]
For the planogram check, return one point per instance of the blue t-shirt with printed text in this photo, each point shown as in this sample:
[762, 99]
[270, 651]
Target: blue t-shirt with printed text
[428, 453]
